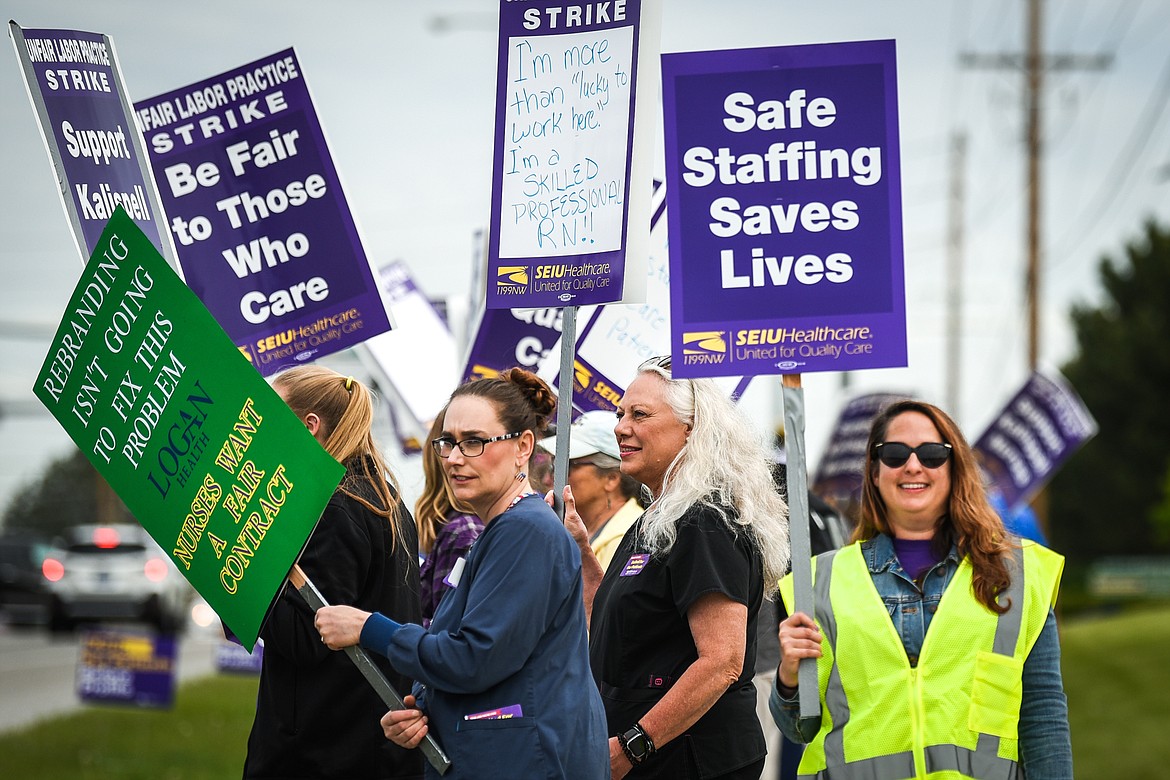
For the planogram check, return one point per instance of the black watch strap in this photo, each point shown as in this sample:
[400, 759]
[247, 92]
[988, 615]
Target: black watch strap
[636, 744]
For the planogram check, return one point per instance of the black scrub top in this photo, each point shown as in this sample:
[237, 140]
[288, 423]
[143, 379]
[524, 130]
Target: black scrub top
[640, 642]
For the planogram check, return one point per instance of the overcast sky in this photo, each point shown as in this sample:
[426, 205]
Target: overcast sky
[405, 93]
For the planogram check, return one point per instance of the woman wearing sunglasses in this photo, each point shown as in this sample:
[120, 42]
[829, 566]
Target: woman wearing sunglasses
[503, 671]
[935, 638]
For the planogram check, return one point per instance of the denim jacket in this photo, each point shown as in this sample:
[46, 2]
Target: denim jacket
[1045, 749]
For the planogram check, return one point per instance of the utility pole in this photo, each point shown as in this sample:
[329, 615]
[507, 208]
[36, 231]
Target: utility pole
[1035, 63]
[954, 339]
[1035, 71]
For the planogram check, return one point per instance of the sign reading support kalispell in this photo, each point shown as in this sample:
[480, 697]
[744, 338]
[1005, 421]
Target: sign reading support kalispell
[204, 453]
[87, 124]
[785, 228]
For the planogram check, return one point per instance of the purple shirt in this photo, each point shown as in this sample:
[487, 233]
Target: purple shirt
[917, 556]
[452, 541]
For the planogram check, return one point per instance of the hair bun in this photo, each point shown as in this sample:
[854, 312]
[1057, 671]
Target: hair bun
[535, 389]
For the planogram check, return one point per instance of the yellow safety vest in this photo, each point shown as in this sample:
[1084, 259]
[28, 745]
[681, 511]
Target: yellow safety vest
[956, 714]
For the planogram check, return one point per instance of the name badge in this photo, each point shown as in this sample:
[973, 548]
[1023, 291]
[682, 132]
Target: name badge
[452, 579]
[635, 565]
[503, 713]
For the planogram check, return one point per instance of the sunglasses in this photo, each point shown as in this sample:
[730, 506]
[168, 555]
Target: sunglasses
[932, 455]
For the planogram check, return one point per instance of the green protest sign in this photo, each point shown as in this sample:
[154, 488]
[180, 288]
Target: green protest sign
[204, 453]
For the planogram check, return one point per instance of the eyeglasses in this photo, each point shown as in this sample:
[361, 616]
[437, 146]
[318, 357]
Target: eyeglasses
[932, 455]
[471, 447]
[661, 361]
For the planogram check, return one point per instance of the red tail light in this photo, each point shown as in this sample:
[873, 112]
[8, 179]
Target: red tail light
[156, 570]
[53, 569]
[105, 538]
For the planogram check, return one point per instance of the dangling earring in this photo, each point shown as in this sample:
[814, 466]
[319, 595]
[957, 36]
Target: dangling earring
[520, 476]
[608, 504]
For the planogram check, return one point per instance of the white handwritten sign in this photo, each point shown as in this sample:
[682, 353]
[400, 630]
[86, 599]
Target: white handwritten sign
[566, 142]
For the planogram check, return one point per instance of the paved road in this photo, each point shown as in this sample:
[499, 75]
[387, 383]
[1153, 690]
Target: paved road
[37, 672]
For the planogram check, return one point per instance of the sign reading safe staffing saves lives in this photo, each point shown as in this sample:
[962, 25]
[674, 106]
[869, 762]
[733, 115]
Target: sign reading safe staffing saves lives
[204, 453]
[783, 188]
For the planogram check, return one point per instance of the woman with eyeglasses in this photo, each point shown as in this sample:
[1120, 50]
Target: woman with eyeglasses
[935, 637]
[673, 627]
[503, 670]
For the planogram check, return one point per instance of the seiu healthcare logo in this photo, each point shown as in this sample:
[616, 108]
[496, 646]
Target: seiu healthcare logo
[511, 276]
[704, 346]
[582, 376]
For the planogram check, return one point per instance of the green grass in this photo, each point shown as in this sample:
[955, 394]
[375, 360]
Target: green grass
[1115, 672]
[204, 735]
[1117, 677]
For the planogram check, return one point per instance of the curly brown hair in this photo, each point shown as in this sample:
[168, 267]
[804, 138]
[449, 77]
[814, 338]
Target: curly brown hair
[970, 522]
[523, 401]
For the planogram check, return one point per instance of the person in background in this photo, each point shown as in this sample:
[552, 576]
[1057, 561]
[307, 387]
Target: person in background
[316, 716]
[673, 631]
[606, 498]
[937, 647]
[503, 672]
[540, 471]
[446, 531]
[1021, 521]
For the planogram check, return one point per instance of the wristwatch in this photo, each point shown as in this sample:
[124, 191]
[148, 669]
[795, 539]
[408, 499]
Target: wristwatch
[636, 744]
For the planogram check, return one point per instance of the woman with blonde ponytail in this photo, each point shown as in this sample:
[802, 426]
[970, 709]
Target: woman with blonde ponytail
[316, 716]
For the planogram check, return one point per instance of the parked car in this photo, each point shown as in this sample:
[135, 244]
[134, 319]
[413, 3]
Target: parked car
[24, 599]
[102, 573]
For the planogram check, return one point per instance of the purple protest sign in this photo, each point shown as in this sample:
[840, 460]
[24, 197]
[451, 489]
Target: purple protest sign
[80, 101]
[1037, 431]
[232, 657]
[520, 337]
[563, 212]
[841, 470]
[264, 233]
[783, 188]
[127, 667]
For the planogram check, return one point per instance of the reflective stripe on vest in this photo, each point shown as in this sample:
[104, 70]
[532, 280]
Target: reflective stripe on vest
[982, 762]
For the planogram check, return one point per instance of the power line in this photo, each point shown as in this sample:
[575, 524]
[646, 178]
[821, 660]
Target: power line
[1139, 138]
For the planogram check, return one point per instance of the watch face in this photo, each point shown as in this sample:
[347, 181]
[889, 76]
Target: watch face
[637, 744]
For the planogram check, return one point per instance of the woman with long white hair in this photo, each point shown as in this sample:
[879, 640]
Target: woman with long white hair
[673, 619]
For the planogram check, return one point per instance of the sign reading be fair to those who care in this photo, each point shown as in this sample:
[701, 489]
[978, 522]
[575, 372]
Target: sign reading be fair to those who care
[263, 230]
[204, 453]
[783, 188]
